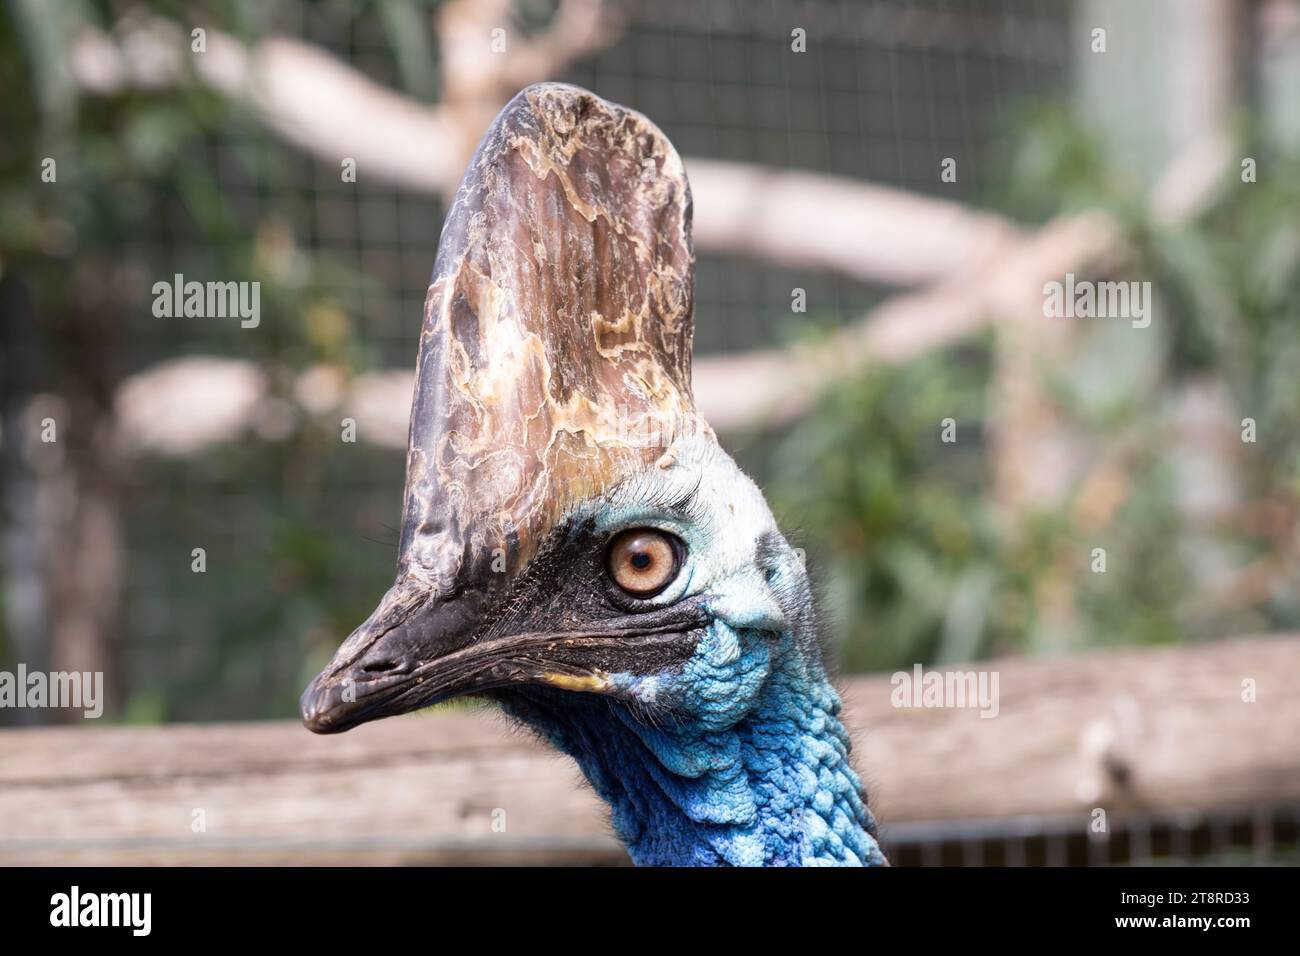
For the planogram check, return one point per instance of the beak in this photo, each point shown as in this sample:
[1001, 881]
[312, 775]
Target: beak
[383, 667]
[416, 650]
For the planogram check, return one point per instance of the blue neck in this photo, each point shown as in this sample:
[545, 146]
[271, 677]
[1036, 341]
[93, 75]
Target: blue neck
[772, 787]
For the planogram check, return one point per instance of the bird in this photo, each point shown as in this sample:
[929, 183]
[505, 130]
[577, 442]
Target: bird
[576, 546]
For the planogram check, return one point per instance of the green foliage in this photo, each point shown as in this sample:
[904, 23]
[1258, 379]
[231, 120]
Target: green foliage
[918, 560]
[876, 496]
[1056, 166]
[142, 191]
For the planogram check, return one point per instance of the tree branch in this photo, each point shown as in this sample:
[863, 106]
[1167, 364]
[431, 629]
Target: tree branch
[320, 104]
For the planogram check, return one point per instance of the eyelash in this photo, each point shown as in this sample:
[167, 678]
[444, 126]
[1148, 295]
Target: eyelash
[684, 508]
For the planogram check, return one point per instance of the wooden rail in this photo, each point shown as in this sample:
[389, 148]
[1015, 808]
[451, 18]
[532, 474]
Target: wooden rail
[1127, 730]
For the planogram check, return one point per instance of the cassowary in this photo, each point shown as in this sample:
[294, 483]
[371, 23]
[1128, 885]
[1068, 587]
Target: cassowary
[575, 544]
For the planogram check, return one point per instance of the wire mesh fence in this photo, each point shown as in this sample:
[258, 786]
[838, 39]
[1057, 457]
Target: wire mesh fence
[894, 88]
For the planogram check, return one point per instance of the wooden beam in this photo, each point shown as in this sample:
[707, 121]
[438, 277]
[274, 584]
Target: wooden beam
[1131, 731]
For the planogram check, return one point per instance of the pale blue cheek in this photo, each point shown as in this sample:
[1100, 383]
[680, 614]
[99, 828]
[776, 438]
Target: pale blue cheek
[717, 687]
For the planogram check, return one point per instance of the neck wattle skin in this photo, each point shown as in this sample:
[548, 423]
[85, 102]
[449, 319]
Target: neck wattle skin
[757, 775]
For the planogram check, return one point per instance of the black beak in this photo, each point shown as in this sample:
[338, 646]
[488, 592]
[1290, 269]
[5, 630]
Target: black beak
[414, 650]
[409, 653]
[417, 650]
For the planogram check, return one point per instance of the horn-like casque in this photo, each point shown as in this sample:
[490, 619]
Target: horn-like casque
[554, 359]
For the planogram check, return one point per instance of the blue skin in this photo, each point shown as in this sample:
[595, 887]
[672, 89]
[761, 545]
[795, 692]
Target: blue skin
[758, 775]
[737, 757]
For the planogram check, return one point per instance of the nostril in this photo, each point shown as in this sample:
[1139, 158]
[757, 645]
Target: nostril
[379, 667]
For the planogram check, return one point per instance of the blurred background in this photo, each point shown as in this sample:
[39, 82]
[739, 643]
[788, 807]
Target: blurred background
[882, 189]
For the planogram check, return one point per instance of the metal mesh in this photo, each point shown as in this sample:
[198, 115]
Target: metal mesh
[1262, 835]
[889, 90]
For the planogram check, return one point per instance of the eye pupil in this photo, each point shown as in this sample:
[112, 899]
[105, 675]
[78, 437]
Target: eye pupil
[644, 561]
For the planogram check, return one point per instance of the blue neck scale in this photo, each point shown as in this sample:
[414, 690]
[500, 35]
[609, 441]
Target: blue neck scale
[759, 775]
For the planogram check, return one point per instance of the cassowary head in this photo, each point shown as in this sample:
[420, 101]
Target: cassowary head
[575, 544]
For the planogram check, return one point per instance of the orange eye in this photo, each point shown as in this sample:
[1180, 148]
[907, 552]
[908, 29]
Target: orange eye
[643, 561]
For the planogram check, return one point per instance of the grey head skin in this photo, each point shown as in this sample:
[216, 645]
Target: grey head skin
[575, 544]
